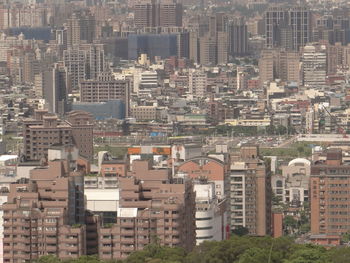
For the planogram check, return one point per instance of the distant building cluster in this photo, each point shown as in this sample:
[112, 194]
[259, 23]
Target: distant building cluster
[123, 123]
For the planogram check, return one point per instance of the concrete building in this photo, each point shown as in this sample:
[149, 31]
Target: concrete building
[314, 65]
[329, 184]
[105, 88]
[144, 113]
[211, 215]
[250, 192]
[197, 83]
[293, 186]
[238, 37]
[102, 197]
[49, 207]
[266, 66]
[46, 130]
[208, 168]
[75, 62]
[288, 27]
[150, 207]
[80, 28]
[158, 14]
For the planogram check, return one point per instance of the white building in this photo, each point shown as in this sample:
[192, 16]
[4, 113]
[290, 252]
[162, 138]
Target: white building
[293, 186]
[314, 65]
[102, 197]
[211, 217]
[145, 81]
[197, 83]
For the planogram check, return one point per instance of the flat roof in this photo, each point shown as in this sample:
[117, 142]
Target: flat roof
[7, 157]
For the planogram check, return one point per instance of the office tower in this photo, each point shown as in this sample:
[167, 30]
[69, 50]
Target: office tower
[314, 63]
[250, 194]
[300, 22]
[208, 50]
[213, 39]
[161, 45]
[273, 17]
[52, 84]
[222, 47]
[157, 209]
[197, 83]
[329, 185]
[238, 37]
[80, 28]
[105, 88]
[285, 24]
[145, 14]
[46, 130]
[158, 14]
[43, 215]
[170, 14]
[194, 46]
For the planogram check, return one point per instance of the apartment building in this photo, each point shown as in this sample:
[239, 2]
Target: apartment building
[143, 113]
[43, 215]
[211, 169]
[250, 192]
[197, 83]
[105, 88]
[329, 184]
[314, 65]
[150, 208]
[46, 130]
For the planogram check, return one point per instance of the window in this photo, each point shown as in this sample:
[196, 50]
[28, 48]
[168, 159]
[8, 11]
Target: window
[279, 183]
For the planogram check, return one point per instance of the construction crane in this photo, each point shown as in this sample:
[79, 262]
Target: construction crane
[341, 130]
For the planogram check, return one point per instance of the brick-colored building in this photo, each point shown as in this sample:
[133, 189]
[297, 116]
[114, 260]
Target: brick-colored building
[208, 168]
[46, 130]
[330, 187]
[250, 192]
[43, 215]
[150, 209]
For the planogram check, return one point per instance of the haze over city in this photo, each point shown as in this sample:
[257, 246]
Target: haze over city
[172, 131]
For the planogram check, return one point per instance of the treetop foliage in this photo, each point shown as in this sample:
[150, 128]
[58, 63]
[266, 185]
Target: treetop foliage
[243, 249]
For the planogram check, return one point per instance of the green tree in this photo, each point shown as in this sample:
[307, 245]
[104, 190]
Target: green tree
[254, 255]
[240, 231]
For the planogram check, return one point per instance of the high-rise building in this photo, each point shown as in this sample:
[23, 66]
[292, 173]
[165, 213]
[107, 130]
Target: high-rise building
[279, 64]
[154, 14]
[250, 195]
[46, 130]
[53, 85]
[197, 83]
[314, 64]
[285, 24]
[213, 40]
[157, 209]
[80, 28]
[76, 63]
[238, 37]
[266, 66]
[44, 215]
[329, 186]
